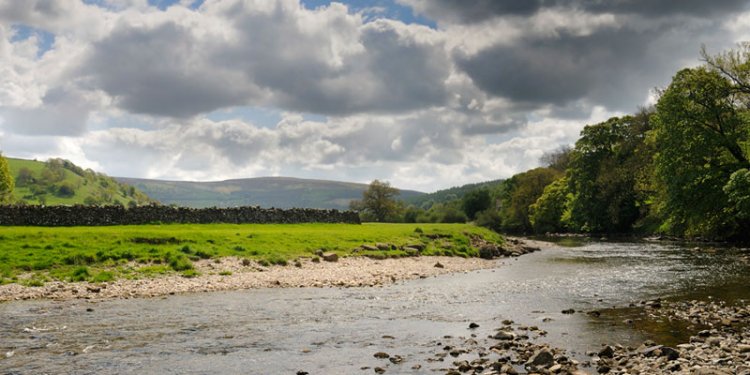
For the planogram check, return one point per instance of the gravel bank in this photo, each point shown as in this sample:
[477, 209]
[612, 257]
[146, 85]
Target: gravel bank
[235, 273]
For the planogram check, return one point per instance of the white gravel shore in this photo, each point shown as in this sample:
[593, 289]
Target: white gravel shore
[346, 272]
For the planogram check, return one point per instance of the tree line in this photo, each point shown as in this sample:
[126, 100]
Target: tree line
[678, 168]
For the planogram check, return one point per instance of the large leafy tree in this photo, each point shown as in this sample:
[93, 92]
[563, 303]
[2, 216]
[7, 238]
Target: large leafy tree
[6, 181]
[701, 129]
[548, 213]
[606, 165]
[378, 202]
[476, 201]
[519, 193]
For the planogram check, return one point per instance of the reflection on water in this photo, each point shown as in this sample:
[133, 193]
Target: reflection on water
[338, 330]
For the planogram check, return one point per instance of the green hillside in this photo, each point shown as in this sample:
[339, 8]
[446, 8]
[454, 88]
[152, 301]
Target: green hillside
[280, 192]
[426, 201]
[60, 182]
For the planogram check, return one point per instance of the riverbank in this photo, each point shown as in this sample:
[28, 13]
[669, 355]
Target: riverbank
[718, 345]
[233, 273]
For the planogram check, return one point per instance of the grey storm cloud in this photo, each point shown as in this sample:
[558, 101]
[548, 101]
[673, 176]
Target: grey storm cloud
[271, 60]
[462, 11]
[559, 70]
[161, 71]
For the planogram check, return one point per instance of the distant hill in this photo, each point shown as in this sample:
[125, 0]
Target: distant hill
[426, 201]
[280, 192]
[60, 182]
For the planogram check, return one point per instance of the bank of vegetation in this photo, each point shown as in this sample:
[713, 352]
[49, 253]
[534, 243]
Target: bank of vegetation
[35, 255]
[60, 182]
[679, 168]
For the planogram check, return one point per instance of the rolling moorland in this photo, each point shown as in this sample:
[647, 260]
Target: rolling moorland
[279, 192]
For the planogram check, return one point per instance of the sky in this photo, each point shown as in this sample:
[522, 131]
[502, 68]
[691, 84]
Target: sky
[425, 94]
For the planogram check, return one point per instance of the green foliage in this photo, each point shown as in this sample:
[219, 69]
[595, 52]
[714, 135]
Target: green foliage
[738, 193]
[378, 203]
[490, 219]
[80, 274]
[453, 215]
[608, 161]
[548, 213]
[65, 190]
[520, 192]
[475, 201]
[699, 129]
[446, 196]
[179, 262]
[6, 182]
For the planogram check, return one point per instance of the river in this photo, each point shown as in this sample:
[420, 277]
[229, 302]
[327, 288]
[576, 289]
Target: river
[337, 330]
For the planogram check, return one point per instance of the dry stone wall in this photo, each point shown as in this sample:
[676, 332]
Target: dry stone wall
[55, 216]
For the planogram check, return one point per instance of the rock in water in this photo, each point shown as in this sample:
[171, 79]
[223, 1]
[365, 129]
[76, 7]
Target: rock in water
[473, 325]
[381, 355]
[607, 352]
[542, 358]
[504, 335]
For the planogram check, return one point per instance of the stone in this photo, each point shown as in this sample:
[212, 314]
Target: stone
[439, 265]
[473, 325]
[381, 355]
[379, 370]
[330, 257]
[542, 358]
[670, 353]
[418, 246]
[369, 247]
[568, 311]
[607, 352]
[396, 359]
[743, 348]
[504, 335]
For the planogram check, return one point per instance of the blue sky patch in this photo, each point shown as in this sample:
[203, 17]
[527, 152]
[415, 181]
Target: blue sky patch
[45, 38]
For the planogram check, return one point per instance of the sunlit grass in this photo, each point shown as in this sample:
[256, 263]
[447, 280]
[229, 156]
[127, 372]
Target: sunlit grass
[100, 254]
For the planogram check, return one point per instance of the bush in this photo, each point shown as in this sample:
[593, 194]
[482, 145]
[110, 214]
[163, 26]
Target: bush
[489, 219]
[80, 274]
[179, 263]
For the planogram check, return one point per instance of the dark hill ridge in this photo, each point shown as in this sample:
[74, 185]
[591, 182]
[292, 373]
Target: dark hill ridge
[280, 192]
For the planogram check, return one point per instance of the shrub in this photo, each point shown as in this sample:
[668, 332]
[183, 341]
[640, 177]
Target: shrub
[80, 274]
[180, 263]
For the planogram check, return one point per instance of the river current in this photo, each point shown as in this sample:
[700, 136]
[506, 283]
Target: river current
[337, 330]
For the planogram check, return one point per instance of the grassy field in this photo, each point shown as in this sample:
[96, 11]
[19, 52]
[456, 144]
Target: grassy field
[34, 255]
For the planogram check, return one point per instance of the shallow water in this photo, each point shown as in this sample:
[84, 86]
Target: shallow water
[337, 331]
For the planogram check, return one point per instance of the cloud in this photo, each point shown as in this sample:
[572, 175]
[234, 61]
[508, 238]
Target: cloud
[134, 90]
[458, 11]
[279, 54]
[62, 112]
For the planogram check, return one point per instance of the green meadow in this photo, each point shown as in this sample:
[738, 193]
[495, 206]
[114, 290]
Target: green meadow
[35, 255]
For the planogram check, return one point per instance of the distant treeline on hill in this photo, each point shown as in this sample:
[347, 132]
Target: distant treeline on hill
[79, 215]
